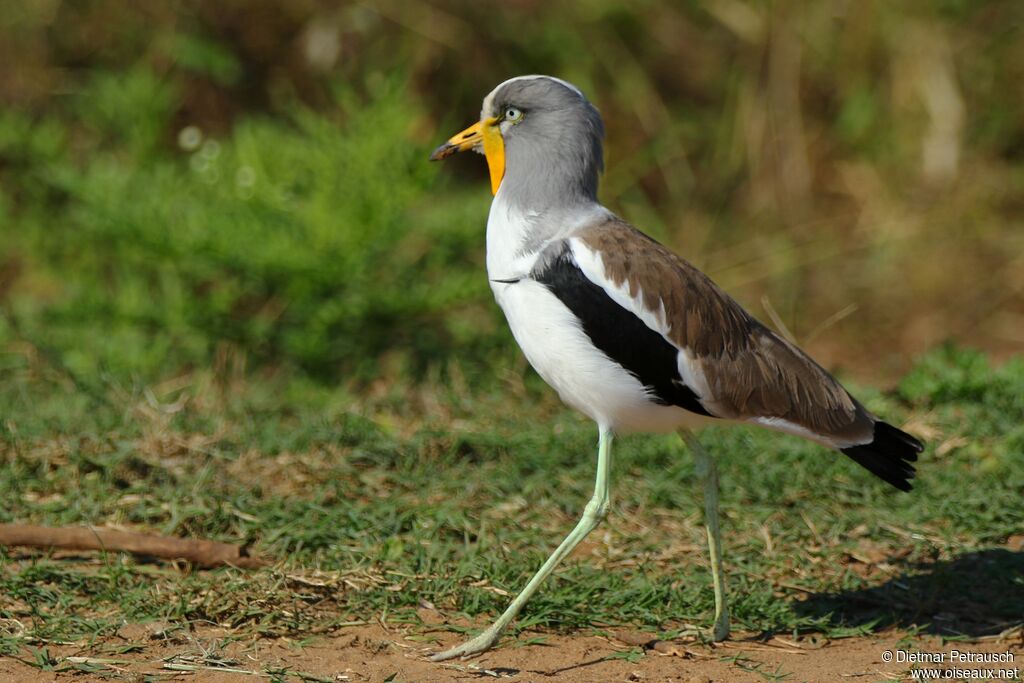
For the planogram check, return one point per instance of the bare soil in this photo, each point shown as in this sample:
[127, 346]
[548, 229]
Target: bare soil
[373, 653]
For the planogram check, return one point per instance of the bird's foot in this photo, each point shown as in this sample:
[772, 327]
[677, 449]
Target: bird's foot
[483, 642]
[704, 635]
[720, 631]
[715, 634]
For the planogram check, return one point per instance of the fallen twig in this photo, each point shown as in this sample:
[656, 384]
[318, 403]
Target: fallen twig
[201, 553]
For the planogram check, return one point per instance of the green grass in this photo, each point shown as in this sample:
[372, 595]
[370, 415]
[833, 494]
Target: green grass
[430, 494]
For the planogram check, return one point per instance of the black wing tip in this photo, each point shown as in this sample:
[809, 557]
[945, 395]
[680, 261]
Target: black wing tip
[888, 434]
[889, 455]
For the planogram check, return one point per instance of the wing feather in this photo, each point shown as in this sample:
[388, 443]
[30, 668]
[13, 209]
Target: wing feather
[749, 372]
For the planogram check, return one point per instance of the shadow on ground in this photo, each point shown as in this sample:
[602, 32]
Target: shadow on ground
[977, 594]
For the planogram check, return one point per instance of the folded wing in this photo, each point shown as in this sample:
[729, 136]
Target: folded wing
[694, 346]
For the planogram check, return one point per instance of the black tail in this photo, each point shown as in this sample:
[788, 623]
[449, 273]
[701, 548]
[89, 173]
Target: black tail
[889, 455]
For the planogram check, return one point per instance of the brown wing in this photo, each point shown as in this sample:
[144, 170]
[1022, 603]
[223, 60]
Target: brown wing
[750, 371]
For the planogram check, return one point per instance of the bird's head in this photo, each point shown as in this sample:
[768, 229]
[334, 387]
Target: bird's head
[539, 133]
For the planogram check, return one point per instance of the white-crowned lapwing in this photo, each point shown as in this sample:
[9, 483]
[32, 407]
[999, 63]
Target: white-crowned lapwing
[626, 331]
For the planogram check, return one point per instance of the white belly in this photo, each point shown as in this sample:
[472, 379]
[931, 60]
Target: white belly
[585, 378]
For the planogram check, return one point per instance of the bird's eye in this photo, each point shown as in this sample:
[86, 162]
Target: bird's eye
[512, 114]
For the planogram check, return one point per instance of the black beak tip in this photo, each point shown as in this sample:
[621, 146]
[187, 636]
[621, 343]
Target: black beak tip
[442, 152]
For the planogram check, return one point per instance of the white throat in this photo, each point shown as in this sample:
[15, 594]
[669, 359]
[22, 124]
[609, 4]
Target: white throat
[508, 229]
[516, 236]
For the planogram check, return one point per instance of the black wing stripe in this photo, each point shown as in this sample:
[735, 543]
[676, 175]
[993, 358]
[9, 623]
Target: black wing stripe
[617, 332]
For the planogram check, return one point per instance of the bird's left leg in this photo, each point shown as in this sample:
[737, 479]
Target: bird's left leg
[595, 511]
[707, 472]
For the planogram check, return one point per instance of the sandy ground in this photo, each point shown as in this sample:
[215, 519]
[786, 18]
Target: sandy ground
[375, 654]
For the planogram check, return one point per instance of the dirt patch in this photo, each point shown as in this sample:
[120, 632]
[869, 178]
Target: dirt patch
[375, 654]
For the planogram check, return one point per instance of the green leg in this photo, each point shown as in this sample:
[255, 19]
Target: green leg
[595, 511]
[707, 472]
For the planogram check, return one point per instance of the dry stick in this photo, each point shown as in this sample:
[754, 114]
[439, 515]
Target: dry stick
[200, 553]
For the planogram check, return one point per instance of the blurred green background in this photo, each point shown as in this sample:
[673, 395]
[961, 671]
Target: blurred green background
[243, 185]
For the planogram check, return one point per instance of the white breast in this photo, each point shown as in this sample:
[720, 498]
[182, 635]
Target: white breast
[507, 230]
[554, 342]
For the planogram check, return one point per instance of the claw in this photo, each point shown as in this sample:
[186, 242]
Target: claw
[483, 642]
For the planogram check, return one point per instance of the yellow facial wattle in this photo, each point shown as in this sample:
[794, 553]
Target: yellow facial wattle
[494, 150]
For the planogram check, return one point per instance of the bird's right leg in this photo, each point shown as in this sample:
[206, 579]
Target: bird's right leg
[595, 511]
[707, 472]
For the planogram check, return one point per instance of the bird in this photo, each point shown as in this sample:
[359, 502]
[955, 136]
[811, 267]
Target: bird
[629, 333]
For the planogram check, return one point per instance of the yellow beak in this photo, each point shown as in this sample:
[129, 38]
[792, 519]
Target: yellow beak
[488, 134]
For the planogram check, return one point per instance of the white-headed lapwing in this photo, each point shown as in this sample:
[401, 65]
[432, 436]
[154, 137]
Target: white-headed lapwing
[626, 331]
